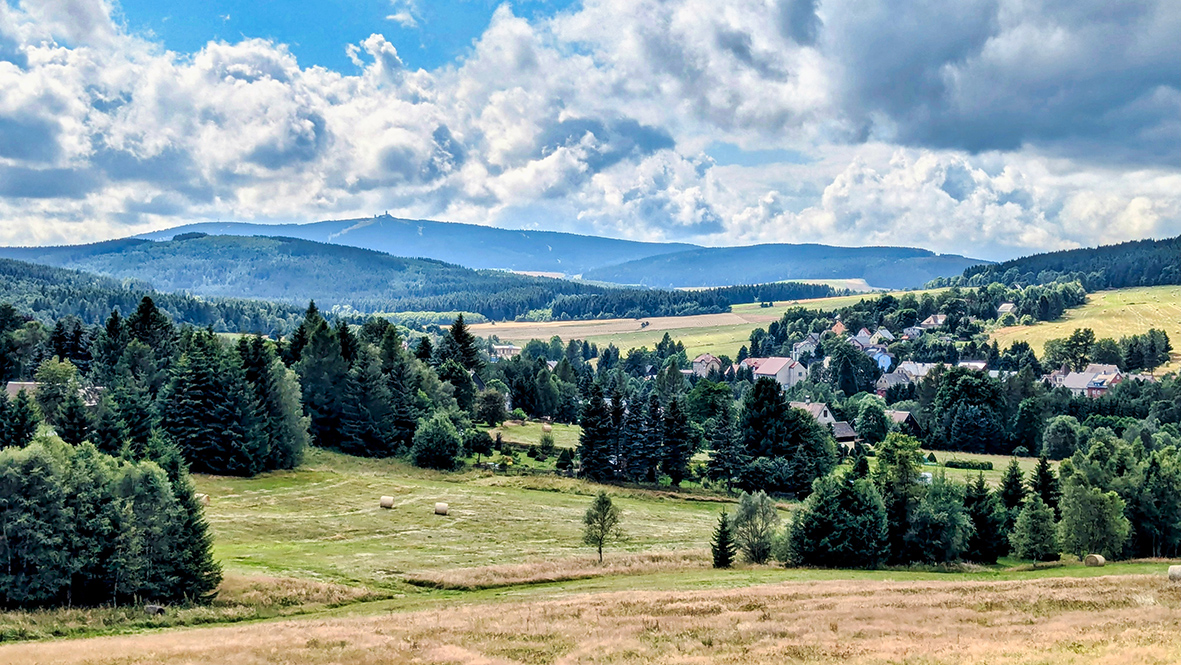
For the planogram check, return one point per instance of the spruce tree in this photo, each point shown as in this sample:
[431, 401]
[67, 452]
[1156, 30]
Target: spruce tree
[1012, 493]
[1027, 426]
[842, 524]
[455, 374]
[815, 454]
[722, 545]
[594, 443]
[348, 341]
[647, 451]
[424, 351]
[676, 449]
[367, 418]
[460, 345]
[1045, 484]
[197, 573]
[73, 421]
[20, 424]
[987, 541]
[1034, 534]
[108, 348]
[323, 372]
[727, 459]
[897, 479]
[153, 328]
[403, 384]
[109, 434]
[136, 419]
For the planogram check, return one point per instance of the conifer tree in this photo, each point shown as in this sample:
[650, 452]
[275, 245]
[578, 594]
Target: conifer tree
[1012, 493]
[897, 479]
[727, 459]
[594, 443]
[722, 545]
[73, 421]
[109, 434]
[465, 391]
[424, 351]
[136, 418]
[646, 455]
[601, 524]
[403, 384]
[676, 449]
[987, 541]
[323, 373]
[842, 524]
[1045, 484]
[293, 352]
[108, 348]
[367, 419]
[1027, 426]
[197, 573]
[460, 345]
[153, 328]
[1034, 534]
[19, 425]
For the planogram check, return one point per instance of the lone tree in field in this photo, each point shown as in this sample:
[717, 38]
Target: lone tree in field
[723, 543]
[601, 523]
[755, 525]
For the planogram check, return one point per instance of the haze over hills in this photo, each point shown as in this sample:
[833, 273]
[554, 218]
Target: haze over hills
[666, 265]
[885, 267]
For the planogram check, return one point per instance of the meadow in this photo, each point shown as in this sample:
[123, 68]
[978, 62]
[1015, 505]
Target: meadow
[1112, 314]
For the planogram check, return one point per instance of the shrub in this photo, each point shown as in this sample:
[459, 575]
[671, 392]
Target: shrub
[436, 443]
[518, 414]
[970, 464]
[546, 447]
[755, 524]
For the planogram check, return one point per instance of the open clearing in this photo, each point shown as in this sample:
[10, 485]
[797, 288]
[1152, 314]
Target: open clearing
[1129, 619]
[719, 334]
[1112, 314]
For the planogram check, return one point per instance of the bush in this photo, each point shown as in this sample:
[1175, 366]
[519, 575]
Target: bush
[841, 525]
[546, 447]
[436, 443]
[970, 464]
[518, 414]
[1021, 451]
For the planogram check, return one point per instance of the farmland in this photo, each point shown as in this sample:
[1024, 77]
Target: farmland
[1112, 314]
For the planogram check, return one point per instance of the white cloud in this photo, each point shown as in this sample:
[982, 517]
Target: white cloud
[938, 132]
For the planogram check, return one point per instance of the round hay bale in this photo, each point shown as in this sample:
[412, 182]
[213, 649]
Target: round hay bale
[1094, 561]
[546, 427]
[387, 502]
[441, 509]
[204, 499]
[1175, 573]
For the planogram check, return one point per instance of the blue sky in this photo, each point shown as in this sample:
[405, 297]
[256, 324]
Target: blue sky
[991, 128]
[317, 31]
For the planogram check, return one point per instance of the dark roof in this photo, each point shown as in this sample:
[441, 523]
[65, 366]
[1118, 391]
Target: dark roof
[843, 431]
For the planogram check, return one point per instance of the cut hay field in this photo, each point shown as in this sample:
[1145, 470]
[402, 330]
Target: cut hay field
[1102, 620]
[1112, 314]
[719, 334]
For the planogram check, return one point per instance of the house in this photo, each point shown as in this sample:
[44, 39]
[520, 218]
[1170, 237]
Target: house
[706, 363]
[505, 351]
[839, 328]
[913, 332]
[933, 321]
[905, 420]
[882, 336]
[916, 370]
[818, 410]
[1006, 308]
[978, 365]
[786, 371]
[864, 332]
[804, 349]
[861, 340]
[881, 357]
[844, 433]
[1092, 382]
[891, 380]
[91, 395]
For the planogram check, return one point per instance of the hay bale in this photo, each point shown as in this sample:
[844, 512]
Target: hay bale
[154, 610]
[1175, 573]
[204, 499]
[1094, 561]
[441, 509]
[546, 427]
[387, 502]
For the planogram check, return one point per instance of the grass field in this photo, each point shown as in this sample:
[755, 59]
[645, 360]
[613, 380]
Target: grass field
[719, 334]
[317, 573]
[1112, 314]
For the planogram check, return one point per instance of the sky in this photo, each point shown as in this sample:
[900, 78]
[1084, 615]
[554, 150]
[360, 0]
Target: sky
[989, 128]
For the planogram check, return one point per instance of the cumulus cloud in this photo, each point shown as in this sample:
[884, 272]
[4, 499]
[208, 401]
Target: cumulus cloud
[992, 128]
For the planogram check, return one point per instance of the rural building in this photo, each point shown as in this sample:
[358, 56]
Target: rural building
[1006, 308]
[786, 371]
[844, 433]
[1093, 381]
[818, 410]
[933, 321]
[505, 351]
[905, 421]
[880, 356]
[839, 328]
[804, 349]
[882, 336]
[90, 395]
[913, 332]
[891, 380]
[706, 363]
[978, 365]
[916, 370]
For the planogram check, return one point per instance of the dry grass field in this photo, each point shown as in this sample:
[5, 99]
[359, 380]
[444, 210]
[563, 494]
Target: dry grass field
[1112, 314]
[1102, 620]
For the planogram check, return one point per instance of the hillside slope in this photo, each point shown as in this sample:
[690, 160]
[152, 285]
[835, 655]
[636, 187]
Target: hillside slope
[883, 267]
[1127, 264]
[468, 245]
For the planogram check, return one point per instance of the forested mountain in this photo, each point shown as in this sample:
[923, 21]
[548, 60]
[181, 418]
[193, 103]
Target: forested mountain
[1137, 263]
[294, 271]
[885, 267]
[49, 293]
[468, 245]
[664, 265]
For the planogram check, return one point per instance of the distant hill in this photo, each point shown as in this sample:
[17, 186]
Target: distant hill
[468, 245]
[665, 265]
[884, 267]
[49, 293]
[294, 271]
[1127, 264]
